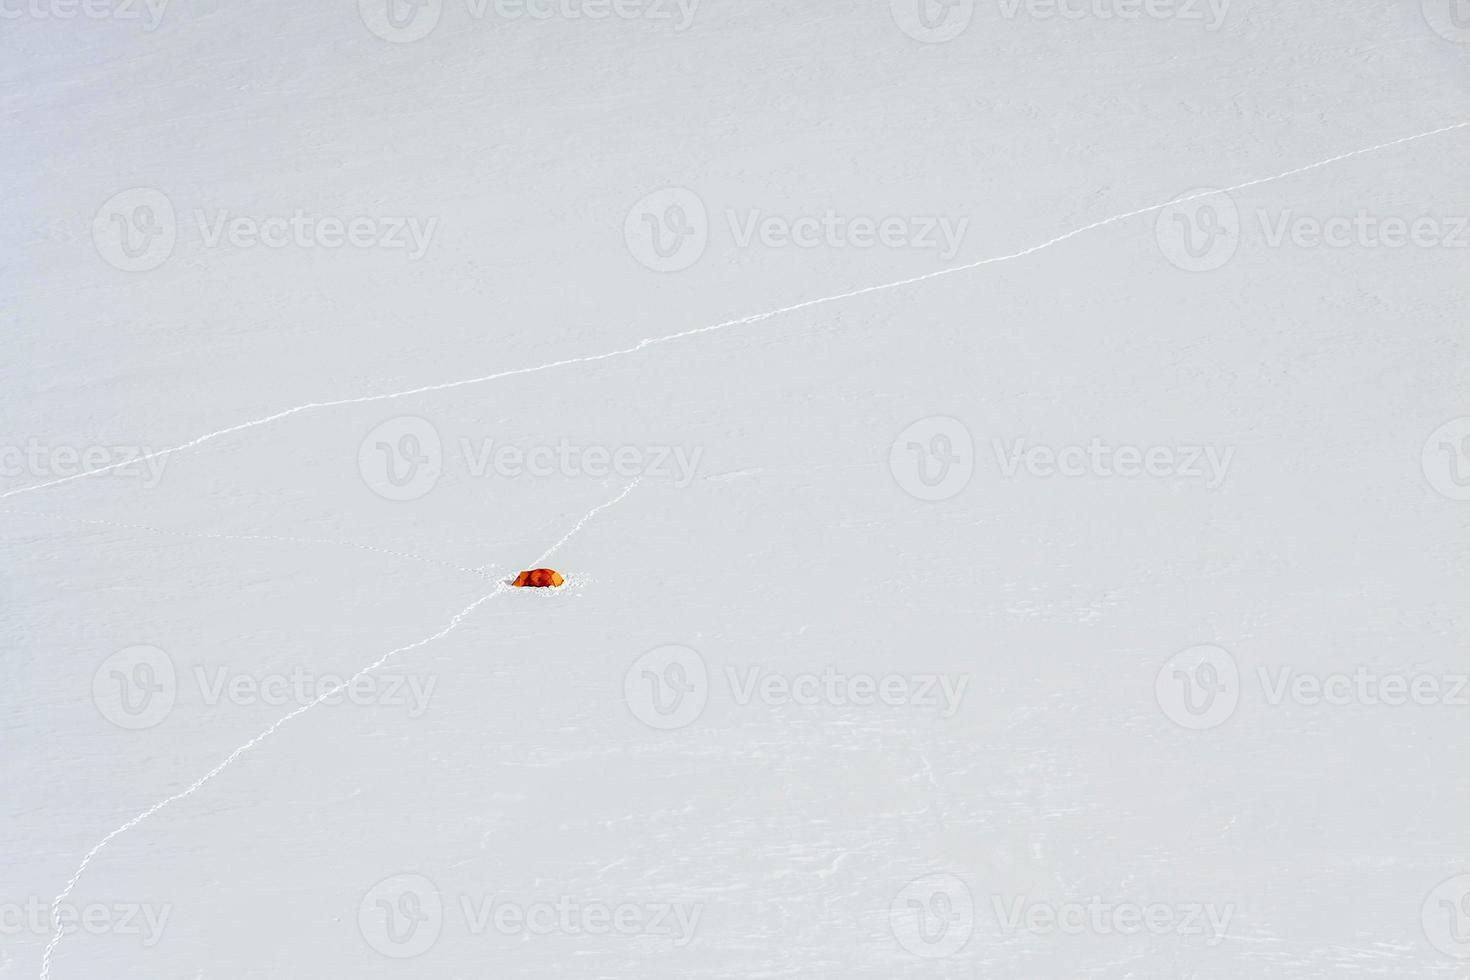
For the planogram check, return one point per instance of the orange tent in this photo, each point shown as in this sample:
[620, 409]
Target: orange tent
[538, 578]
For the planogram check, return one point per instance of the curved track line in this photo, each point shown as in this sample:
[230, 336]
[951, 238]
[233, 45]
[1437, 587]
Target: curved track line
[742, 321]
[199, 783]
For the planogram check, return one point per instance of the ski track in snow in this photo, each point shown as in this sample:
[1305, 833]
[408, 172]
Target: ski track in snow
[459, 618]
[229, 760]
[274, 538]
[742, 321]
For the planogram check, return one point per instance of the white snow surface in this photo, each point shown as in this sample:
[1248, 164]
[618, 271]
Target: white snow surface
[810, 705]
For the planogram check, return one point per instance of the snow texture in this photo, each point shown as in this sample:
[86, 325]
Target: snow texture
[1010, 461]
